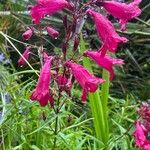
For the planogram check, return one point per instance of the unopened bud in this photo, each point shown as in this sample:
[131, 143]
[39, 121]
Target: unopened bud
[27, 34]
[52, 32]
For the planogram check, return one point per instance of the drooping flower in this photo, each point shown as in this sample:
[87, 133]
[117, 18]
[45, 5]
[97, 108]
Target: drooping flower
[105, 62]
[124, 12]
[87, 81]
[47, 7]
[27, 34]
[139, 134]
[41, 93]
[25, 54]
[52, 32]
[106, 32]
[64, 83]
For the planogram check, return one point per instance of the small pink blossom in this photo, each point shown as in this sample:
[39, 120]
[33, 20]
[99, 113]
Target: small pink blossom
[87, 81]
[27, 34]
[64, 83]
[106, 32]
[21, 61]
[105, 62]
[124, 12]
[47, 7]
[41, 93]
[139, 134]
[52, 32]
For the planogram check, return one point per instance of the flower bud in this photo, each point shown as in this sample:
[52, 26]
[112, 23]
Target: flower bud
[25, 54]
[52, 32]
[27, 34]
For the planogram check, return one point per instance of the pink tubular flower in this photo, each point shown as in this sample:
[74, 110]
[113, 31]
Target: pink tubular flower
[139, 134]
[25, 54]
[41, 92]
[47, 7]
[52, 32]
[106, 32]
[124, 12]
[88, 81]
[27, 34]
[105, 62]
[64, 83]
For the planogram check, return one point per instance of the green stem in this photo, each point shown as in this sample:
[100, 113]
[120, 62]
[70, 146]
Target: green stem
[96, 105]
[104, 100]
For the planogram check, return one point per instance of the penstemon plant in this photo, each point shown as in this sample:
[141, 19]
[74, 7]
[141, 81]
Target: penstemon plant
[66, 69]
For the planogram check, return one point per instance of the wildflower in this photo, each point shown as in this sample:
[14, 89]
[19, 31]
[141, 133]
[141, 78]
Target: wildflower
[87, 81]
[124, 12]
[22, 60]
[105, 62]
[52, 32]
[27, 34]
[47, 7]
[106, 32]
[144, 112]
[64, 83]
[41, 92]
[139, 134]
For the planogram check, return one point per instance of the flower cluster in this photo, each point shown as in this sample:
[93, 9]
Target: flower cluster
[143, 128]
[106, 32]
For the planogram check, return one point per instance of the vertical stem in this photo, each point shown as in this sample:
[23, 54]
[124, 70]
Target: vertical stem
[55, 131]
[104, 100]
[56, 121]
[96, 105]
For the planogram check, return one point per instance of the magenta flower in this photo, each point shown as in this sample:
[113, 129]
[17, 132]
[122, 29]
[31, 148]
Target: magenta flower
[47, 7]
[27, 34]
[139, 134]
[106, 32]
[87, 81]
[124, 12]
[64, 83]
[41, 93]
[146, 145]
[144, 111]
[52, 32]
[21, 61]
[105, 62]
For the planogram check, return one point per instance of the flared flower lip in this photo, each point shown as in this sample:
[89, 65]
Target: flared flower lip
[47, 7]
[87, 80]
